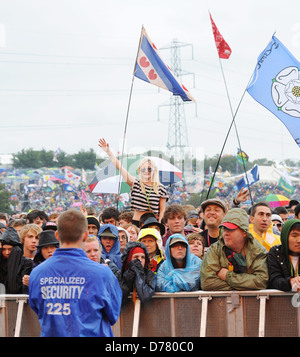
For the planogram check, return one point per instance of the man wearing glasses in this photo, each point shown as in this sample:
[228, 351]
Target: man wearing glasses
[277, 223]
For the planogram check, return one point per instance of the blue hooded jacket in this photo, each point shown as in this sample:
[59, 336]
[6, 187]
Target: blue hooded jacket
[115, 253]
[170, 279]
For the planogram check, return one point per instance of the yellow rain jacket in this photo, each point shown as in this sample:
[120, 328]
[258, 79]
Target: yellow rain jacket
[268, 240]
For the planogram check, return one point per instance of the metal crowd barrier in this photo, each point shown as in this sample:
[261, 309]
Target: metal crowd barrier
[261, 313]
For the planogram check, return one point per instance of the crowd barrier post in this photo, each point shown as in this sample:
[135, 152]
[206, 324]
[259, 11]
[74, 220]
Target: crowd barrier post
[136, 318]
[204, 301]
[3, 317]
[20, 302]
[262, 314]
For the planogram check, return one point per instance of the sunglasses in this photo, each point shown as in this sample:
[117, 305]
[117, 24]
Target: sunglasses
[149, 169]
[277, 224]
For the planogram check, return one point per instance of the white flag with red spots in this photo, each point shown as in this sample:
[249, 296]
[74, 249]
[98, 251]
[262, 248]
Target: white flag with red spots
[150, 68]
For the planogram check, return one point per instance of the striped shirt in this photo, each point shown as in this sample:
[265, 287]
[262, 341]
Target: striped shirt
[139, 200]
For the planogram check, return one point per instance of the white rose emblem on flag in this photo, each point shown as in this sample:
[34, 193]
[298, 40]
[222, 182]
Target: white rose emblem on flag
[286, 91]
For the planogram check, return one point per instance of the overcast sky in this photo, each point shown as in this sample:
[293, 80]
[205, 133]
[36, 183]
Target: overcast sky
[66, 70]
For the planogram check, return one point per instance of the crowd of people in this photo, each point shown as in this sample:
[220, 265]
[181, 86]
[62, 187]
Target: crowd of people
[211, 247]
[80, 267]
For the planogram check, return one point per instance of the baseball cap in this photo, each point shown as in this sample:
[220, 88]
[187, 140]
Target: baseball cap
[50, 225]
[236, 217]
[229, 225]
[175, 238]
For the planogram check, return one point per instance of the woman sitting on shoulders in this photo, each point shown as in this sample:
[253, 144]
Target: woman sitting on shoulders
[147, 193]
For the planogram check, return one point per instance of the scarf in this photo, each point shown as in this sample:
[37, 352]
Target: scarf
[237, 262]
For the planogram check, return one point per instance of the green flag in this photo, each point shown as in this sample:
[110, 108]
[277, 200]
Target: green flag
[284, 185]
[242, 156]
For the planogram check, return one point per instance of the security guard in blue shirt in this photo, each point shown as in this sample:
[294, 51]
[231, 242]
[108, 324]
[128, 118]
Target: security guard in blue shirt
[72, 295]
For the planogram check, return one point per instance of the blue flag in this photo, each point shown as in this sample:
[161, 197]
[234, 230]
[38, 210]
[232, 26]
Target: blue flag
[252, 176]
[150, 68]
[69, 188]
[276, 85]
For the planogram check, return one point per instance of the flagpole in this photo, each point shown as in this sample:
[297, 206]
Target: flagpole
[237, 135]
[224, 44]
[126, 121]
[232, 122]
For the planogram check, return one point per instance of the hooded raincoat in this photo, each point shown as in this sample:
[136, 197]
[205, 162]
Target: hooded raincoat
[134, 276]
[268, 239]
[114, 255]
[15, 266]
[74, 296]
[255, 276]
[157, 259]
[279, 264]
[170, 279]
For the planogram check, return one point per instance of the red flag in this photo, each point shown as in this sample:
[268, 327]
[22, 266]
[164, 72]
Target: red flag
[224, 50]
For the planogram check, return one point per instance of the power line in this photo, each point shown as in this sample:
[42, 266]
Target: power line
[63, 56]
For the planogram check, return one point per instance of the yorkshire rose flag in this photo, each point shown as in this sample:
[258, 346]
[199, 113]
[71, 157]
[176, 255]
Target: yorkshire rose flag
[223, 49]
[276, 85]
[150, 68]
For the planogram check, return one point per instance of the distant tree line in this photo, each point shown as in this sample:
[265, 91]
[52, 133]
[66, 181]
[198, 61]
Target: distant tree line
[29, 158]
[4, 199]
[35, 159]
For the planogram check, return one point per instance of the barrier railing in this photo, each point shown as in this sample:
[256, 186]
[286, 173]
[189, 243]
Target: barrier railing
[260, 313]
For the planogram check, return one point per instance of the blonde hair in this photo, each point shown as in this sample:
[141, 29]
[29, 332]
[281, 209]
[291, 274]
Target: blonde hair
[154, 174]
[29, 227]
[92, 238]
[132, 225]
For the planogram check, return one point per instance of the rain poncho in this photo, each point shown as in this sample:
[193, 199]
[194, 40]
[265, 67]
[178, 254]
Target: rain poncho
[170, 279]
[268, 239]
[115, 254]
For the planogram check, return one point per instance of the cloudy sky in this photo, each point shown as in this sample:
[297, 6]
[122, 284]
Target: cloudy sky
[66, 72]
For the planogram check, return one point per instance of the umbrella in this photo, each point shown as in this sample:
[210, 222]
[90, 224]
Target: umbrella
[276, 200]
[77, 204]
[107, 178]
[53, 178]
[67, 167]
